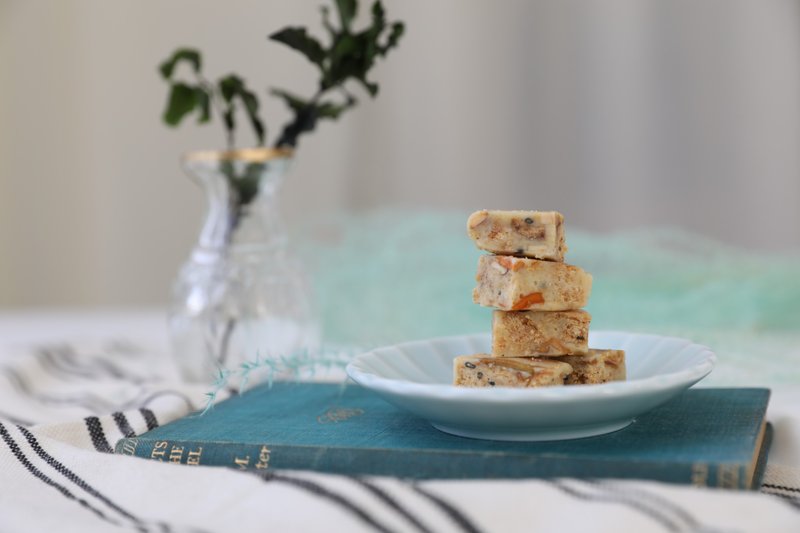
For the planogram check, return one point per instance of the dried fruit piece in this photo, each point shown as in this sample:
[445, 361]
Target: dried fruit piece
[516, 283]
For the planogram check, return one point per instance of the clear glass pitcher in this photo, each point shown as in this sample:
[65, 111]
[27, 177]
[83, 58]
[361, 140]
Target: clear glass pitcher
[241, 295]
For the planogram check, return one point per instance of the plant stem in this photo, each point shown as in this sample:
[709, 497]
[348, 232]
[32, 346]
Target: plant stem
[236, 209]
[215, 103]
[226, 338]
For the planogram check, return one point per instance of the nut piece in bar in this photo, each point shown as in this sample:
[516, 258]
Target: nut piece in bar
[598, 366]
[536, 234]
[532, 333]
[518, 284]
[483, 370]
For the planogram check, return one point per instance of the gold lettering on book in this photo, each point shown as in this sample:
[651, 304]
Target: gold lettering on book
[700, 475]
[193, 457]
[159, 450]
[728, 476]
[129, 446]
[338, 414]
[263, 458]
[242, 462]
[176, 454]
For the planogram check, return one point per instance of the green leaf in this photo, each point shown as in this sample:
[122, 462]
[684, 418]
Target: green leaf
[230, 122]
[343, 62]
[369, 43]
[345, 45]
[230, 86]
[398, 29]
[329, 110]
[189, 55]
[347, 12]
[378, 16]
[182, 101]
[298, 39]
[350, 100]
[204, 105]
[251, 107]
[326, 20]
[371, 87]
[294, 102]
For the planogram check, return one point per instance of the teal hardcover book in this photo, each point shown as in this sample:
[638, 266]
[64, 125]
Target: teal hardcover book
[712, 437]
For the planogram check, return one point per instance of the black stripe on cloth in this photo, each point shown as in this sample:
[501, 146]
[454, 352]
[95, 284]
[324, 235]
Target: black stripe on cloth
[149, 418]
[52, 358]
[123, 347]
[648, 511]
[794, 501]
[449, 509]
[123, 425]
[97, 434]
[87, 401]
[781, 487]
[15, 449]
[322, 492]
[17, 381]
[645, 496]
[139, 524]
[70, 475]
[63, 360]
[98, 366]
[392, 502]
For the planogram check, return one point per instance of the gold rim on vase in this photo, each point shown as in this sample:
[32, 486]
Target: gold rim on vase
[249, 155]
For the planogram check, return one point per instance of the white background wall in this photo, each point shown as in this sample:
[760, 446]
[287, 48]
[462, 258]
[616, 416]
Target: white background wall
[619, 113]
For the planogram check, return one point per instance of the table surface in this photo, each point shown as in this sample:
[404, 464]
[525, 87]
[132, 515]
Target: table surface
[147, 327]
[133, 489]
[741, 304]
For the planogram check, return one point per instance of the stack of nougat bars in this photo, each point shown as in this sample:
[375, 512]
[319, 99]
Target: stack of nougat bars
[540, 334]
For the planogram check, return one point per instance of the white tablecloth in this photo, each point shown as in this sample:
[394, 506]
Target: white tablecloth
[71, 384]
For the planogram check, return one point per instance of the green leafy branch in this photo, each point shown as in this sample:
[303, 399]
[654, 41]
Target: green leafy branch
[199, 97]
[348, 55]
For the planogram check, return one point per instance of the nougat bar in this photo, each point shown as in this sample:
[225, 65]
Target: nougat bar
[532, 333]
[483, 370]
[535, 234]
[598, 366]
[518, 284]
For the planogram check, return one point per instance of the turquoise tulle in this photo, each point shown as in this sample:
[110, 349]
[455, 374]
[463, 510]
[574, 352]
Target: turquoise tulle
[389, 276]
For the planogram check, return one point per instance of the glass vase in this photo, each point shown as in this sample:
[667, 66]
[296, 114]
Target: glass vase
[241, 296]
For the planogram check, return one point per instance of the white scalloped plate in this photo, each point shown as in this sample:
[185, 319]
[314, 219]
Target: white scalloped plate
[417, 376]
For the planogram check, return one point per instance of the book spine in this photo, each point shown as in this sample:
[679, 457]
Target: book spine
[241, 456]
[423, 464]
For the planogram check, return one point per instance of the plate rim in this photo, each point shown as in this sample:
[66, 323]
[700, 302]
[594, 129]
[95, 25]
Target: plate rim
[619, 389]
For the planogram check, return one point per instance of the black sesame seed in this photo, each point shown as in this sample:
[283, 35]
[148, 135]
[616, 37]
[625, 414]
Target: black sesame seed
[480, 375]
[580, 338]
[520, 250]
[529, 220]
[491, 383]
[469, 365]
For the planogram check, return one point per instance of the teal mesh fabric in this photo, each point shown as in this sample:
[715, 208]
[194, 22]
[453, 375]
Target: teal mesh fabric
[389, 276]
